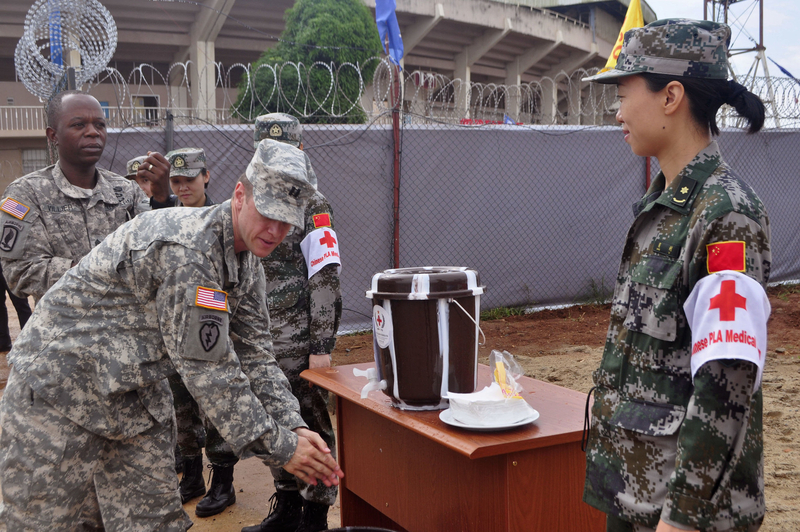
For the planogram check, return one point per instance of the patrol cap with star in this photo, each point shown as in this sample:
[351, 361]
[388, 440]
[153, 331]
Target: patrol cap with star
[186, 161]
[675, 47]
[133, 166]
[278, 126]
[278, 173]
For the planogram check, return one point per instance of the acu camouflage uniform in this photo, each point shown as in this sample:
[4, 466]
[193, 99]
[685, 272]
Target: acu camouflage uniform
[304, 315]
[63, 224]
[661, 446]
[88, 413]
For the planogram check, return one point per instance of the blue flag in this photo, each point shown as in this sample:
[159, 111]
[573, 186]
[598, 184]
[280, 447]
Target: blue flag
[786, 72]
[386, 19]
[508, 120]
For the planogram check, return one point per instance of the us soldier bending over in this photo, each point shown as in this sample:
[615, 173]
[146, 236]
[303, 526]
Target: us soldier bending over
[87, 420]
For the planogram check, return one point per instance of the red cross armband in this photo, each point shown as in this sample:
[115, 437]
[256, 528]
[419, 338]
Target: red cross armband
[727, 312]
[320, 247]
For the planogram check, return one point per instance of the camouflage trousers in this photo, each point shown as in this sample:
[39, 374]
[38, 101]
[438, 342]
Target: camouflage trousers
[314, 411]
[192, 424]
[58, 476]
[615, 524]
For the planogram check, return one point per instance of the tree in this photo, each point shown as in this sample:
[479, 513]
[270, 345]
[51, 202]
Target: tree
[331, 32]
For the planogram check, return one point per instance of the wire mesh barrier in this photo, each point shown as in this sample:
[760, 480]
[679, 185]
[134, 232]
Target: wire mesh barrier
[539, 210]
[240, 92]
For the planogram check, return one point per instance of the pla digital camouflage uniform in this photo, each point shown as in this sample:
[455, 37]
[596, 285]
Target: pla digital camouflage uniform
[304, 313]
[165, 293]
[660, 445]
[58, 223]
[304, 316]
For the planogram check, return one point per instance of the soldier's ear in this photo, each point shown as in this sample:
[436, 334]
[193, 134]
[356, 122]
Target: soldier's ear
[239, 197]
[674, 94]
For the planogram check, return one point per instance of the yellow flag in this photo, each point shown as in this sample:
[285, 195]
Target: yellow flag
[633, 19]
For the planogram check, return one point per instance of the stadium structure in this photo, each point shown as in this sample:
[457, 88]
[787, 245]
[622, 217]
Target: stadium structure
[507, 42]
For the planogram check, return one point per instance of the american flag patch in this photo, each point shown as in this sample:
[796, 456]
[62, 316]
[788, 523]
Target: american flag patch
[14, 208]
[210, 298]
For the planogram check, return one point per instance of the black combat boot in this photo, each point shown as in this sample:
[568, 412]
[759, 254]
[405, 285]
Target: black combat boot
[285, 509]
[192, 484]
[178, 460]
[314, 518]
[221, 493]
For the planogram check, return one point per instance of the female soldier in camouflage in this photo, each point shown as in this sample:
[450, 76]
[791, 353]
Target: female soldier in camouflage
[675, 439]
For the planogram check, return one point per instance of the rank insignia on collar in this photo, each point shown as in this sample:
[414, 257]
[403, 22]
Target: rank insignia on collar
[14, 208]
[684, 191]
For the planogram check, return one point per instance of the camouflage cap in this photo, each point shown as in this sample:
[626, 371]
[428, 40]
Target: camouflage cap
[186, 161]
[676, 47]
[278, 126]
[278, 173]
[133, 166]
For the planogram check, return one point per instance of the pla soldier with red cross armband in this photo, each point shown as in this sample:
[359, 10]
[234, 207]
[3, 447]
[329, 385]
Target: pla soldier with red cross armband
[305, 306]
[87, 419]
[675, 440]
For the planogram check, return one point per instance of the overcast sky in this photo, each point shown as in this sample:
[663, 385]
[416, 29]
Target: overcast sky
[781, 29]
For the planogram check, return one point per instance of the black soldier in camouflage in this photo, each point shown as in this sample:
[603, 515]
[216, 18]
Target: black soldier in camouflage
[305, 306]
[87, 416]
[675, 444]
[52, 217]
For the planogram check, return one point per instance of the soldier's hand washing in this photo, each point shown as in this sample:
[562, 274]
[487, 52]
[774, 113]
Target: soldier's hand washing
[312, 460]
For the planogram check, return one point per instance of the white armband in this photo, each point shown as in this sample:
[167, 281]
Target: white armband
[727, 312]
[320, 247]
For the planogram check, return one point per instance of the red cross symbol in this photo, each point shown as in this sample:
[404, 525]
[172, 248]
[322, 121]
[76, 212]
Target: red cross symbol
[379, 320]
[727, 301]
[328, 240]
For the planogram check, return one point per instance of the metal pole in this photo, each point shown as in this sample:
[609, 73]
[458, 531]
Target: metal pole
[169, 131]
[396, 103]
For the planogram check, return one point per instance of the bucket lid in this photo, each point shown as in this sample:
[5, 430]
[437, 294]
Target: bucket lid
[427, 282]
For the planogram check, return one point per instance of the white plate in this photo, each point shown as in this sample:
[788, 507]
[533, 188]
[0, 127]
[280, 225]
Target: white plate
[447, 417]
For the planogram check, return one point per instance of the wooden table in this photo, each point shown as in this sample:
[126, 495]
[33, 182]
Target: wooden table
[410, 472]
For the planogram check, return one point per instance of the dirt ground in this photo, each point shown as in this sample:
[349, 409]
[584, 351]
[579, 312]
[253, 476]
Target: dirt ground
[564, 347]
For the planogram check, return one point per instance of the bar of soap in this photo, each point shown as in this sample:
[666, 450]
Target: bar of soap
[488, 407]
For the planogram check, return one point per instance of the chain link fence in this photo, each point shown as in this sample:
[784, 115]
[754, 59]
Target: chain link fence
[539, 209]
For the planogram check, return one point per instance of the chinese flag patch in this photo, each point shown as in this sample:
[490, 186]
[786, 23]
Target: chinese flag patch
[322, 220]
[725, 256]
